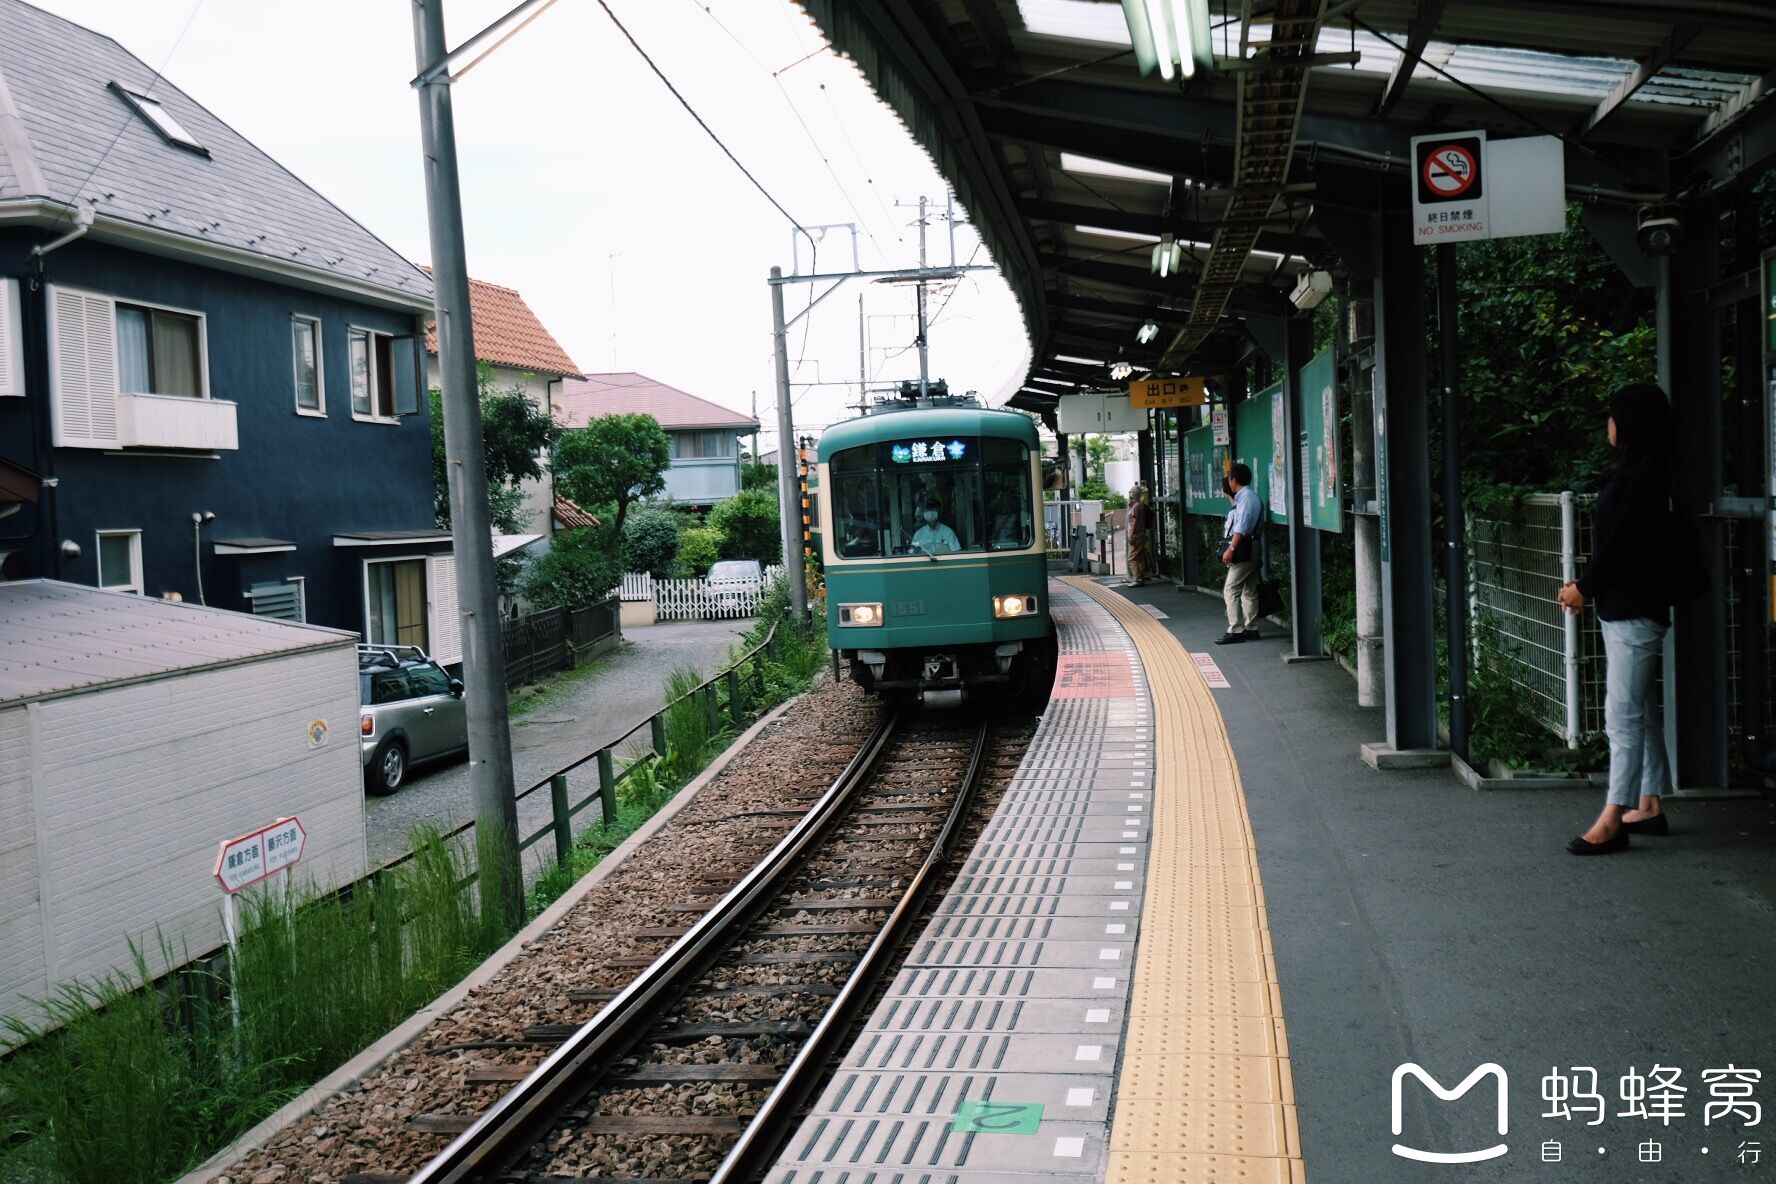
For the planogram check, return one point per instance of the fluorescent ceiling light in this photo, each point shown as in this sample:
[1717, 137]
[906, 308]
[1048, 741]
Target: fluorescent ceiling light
[1079, 361]
[1052, 381]
[1147, 333]
[1106, 232]
[1171, 36]
[1122, 370]
[1074, 163]
[1168, 257]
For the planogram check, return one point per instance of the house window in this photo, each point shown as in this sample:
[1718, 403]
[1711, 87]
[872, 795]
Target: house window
[159, 352]
[702, 445]
[372, 375]
[305, 342]
[396, 590]
[120, 560]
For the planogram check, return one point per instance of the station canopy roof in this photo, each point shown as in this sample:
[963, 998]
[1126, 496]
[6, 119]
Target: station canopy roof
[1074, 165]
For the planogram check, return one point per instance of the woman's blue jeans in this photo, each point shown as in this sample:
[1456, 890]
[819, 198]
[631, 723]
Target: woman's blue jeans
[1632, 717]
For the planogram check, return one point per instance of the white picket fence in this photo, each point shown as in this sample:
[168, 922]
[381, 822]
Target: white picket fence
[695, 600]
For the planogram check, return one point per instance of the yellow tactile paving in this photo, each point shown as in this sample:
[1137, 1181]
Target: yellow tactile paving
[1204, 1092]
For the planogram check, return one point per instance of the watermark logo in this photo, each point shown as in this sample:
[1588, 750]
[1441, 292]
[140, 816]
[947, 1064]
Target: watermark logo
[1489, 1069]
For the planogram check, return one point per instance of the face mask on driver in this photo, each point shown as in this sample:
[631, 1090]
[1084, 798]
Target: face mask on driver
[931, 515]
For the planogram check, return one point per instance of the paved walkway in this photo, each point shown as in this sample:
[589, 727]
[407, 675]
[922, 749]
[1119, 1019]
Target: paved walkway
[628, 686]
[1417, 921]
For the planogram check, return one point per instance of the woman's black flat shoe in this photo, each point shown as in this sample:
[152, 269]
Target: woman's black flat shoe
[1608, 847]
[1658, 824]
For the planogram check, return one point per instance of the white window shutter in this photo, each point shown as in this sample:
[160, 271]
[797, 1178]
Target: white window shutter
[83, 368]
[12, 345]
[445, 626]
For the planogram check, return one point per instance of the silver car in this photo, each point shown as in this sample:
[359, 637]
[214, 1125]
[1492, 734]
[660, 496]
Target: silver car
[734, 585]
[411, 712]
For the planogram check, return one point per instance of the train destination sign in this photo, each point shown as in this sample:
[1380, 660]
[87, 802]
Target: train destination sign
[921, 452]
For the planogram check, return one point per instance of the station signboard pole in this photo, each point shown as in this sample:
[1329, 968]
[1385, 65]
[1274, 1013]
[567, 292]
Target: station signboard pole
[242, 862]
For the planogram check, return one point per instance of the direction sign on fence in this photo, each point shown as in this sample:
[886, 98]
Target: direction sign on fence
[245, 861]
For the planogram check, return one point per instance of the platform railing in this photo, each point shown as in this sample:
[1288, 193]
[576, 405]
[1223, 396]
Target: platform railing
[1517, 561]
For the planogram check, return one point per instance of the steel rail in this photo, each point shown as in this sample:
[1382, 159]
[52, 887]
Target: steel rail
[511, 1125]
[777, 1114]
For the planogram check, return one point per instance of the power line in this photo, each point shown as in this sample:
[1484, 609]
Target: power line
[129, 119]
[796, 111]
[683, 102]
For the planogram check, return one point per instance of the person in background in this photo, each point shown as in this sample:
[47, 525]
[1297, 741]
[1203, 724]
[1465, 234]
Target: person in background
[1240, 553]
[1627, 581]
[934, 537]
[1140, 536]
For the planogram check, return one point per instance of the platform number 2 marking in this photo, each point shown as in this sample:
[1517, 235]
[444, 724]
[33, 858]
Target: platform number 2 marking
[997, 1118]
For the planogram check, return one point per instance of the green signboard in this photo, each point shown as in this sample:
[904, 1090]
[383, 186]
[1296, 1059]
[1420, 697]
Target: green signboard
[1319, 448]
[1258, 429]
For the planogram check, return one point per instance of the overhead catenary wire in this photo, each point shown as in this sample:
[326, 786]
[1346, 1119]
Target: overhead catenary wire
[692, 111]
[129, 118]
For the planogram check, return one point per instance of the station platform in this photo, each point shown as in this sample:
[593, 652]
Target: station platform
[1200, 938]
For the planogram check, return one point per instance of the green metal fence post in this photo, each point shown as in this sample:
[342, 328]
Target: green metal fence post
[735, 703]
[607, 787]
[657, 733]
[563, 824]
[712, 707]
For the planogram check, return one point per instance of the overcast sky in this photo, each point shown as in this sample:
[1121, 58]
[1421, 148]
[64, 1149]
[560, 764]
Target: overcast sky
[573, 152]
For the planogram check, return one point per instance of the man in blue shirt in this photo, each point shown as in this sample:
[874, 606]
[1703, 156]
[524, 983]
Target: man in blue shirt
[1239, 551]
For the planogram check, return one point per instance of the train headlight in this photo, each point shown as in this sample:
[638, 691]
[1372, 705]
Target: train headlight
[860, 616]
[1006, 608]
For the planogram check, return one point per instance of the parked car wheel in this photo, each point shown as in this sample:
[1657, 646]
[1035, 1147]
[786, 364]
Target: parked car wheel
[388, 769]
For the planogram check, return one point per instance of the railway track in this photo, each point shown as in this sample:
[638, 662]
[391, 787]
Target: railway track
[697, 1069]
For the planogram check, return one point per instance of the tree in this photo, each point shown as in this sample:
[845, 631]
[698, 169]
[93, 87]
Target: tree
[615, 460]
[754, 475]
[698, 548]
[581, 568]
[515, 432]
[750, 524]
[650, 539]
[1097, 457]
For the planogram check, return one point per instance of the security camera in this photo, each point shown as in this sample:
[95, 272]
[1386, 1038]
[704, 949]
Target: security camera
[1658, 229]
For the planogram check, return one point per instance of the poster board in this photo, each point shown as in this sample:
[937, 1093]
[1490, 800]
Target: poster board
[1323, 497]
[1258, 429]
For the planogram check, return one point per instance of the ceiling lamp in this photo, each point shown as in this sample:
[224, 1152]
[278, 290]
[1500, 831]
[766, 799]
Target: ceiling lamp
[1147, 333]
[1121, 371]
[1171, 36]
[1168, 257]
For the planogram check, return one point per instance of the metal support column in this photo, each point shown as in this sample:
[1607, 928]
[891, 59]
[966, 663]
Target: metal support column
[1304, 540]
[501, 881]
[1455, 560]
[1403, 491]
[789, 498]
[1690, 372]
[1189, 562]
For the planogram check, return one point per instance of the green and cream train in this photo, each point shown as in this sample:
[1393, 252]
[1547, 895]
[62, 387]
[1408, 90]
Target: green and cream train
[936, 563]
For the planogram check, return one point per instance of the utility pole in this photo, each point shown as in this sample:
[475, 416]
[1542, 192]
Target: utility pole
[756, 458]
[789, 498]
[924, 357]
[484, 675]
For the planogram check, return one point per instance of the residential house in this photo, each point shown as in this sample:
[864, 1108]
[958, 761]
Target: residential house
[705, 435]
[521, 355]
[214, 373]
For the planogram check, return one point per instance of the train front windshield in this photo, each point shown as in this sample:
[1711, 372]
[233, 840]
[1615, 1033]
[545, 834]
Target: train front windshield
[931, 496]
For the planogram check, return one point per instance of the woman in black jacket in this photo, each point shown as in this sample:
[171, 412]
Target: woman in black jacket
[1627, 581]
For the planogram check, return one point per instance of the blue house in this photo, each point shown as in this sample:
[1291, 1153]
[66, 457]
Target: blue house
[214, 374]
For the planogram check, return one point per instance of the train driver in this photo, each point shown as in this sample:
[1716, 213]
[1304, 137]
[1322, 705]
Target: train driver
[933, 536]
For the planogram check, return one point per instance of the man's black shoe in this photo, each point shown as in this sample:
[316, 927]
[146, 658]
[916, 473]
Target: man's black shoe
[1229, 638]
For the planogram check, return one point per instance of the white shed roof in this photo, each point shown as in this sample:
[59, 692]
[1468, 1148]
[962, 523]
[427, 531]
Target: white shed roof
[56, 639]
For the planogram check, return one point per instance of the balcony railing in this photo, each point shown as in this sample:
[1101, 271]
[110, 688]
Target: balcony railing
[173, 421]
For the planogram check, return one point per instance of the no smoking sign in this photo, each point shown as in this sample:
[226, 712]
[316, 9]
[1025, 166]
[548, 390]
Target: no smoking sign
[1448, 188]
[1449, 170]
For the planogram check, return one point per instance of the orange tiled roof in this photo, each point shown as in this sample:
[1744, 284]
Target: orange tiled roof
[569, 516]
[507, 333]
